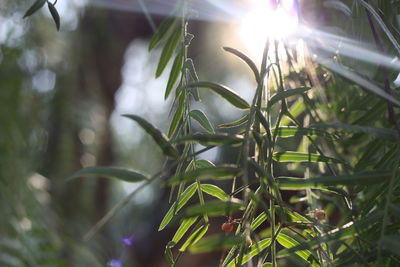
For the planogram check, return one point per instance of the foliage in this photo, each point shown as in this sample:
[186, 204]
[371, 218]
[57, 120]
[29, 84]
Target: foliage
[343, 162]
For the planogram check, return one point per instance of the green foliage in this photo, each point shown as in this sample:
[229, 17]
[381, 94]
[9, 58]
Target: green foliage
[344, 212]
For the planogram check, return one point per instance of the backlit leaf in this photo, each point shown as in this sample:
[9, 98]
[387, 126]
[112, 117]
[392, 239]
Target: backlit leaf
[302, 157]
[218, 172]
[216, 242]
[215, 191]
[168, 50]
[177, 205]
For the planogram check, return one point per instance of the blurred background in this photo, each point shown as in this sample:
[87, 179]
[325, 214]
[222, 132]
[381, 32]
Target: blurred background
[62, 95]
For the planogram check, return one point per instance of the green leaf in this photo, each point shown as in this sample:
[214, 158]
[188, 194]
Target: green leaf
[183, 228]
[177, 116]
[195, 237]
[168, 255]
[296, 109]
[246, 59]
[392, 243]
[54, 14]
[215, 191]
[168, 50]
[285, 94]
[177, 205]
[203, 163]
[214, 208]
[224, 92]
[289, 242]
[174, 74]
[189, 66]
[254, 251]
[382, 133]
[112, 172]
[362, 178]
[35, 7]
[218, 172]
[258, 221]
[202, 119]
[239, 122]
[302, 157]
[162, 32]
[215, 139]
[158, 137]
[290, 131]
[216, 242]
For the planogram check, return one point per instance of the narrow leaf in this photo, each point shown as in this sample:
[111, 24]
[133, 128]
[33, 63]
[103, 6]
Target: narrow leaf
[218, 172]
[302, 157]
[112, 172]
[35, 7]
[362, 178]
[216, 242]
[162, 32]
[195, 237]
[254, 251]
[183, 228]
[224, 92]
[239, 122]
[289, 242]
[202, 119]
[296, 131]
[54, 14]
[214, 208]
[258, 221]
[246, 59]
[203, 163]
[381, 133]
[214, 191]
[174, 74]
[215, 139]
[158, 137]
[177, 205]
[177, 116]
[285, 94]
[168, 50]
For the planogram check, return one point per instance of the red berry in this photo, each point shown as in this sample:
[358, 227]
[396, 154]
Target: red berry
[227, 227]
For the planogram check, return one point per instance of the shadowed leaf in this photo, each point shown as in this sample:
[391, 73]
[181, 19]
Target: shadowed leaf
[223, 91]
[158, 137]
[35, 7]
[202, 119]
[112, 172]
[363, 178]
[54, 14]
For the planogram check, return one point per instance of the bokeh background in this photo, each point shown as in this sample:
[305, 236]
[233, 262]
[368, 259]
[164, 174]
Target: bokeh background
[62, 95]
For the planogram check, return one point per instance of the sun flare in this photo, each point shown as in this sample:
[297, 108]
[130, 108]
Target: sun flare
[268, 19]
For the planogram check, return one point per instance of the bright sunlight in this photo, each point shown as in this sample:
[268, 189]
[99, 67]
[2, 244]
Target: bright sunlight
[268, 19]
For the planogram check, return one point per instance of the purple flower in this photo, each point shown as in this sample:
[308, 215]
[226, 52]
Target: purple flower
[128, 241]
[114, 263]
